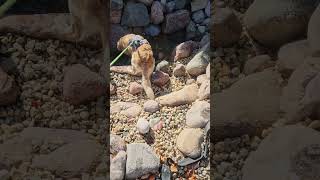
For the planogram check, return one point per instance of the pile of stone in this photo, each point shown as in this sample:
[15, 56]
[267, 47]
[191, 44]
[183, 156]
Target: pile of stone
[266, 94]
[152, 17]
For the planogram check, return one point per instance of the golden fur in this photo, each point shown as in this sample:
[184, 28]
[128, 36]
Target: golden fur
[142, 61]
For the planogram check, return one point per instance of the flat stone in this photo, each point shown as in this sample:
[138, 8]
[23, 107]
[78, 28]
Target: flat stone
[141, 160]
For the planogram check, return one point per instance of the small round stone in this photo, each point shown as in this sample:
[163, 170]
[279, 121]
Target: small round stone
[143, 126]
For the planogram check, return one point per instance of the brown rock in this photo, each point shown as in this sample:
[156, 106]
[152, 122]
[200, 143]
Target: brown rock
[160, 78]
[135, 88]
[81, 85]
[176, 21]
[179, 70]
[184, 50]
[157, 15]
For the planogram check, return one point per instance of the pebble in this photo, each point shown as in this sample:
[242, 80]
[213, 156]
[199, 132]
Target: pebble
[117, 144]
[135, 88]
[198, 16]
[163, 66]
[143, 126]
[151, 106]
[179, 70]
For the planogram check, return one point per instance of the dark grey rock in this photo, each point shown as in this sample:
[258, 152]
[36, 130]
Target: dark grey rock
[135, 15]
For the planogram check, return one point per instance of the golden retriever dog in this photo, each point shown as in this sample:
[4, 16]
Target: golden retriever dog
[142, 60]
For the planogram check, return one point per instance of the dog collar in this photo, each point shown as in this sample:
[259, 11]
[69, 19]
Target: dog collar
[137, 41]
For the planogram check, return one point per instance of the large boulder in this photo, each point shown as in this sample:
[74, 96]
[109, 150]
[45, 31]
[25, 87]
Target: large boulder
[157, 14]
[290, 152]
[291, 101]
[292, 55]
[81, 85]
[141, 160]
[176, 21]
[226, 28]
[198, 64]
[277, 22]
[248, 106]
[135, 15]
